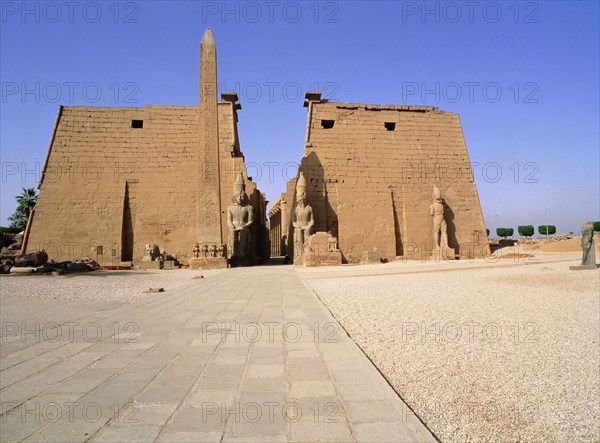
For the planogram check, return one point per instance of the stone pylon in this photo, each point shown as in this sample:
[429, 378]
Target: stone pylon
[208, 202]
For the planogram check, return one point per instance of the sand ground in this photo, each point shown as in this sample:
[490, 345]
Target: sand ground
[491, 354]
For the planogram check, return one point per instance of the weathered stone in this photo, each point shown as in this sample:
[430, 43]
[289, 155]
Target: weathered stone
[588, 247]
[145, 265]
[444, 253]
[208, 263]
[152, 253]
[169, 264]
[369, 169]
[331, 258]
[171, 171]
[208, 203]
[240, 218]
[369, 257]
[35, 258]
[322, 251]
[302, 219]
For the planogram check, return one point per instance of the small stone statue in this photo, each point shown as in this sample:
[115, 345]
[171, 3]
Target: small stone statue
[332, 245]
[588, 245]
[196, 251]
[213, 250]
[222, 250]
[240, 216]
[204, 251]
[302, 218]
[440, 235]
[152, 252]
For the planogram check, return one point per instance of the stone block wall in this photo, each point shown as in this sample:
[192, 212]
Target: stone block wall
[370, 171]
[107, 183]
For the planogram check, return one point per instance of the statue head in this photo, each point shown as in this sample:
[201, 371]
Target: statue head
[437, 194]
[239, 184]
[240, 198]
[301, 199]
[301, 189]
[239, 191]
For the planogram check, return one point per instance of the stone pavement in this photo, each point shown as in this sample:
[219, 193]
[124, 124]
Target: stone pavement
[250, 354]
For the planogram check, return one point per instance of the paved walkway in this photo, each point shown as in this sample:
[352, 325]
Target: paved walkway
[247, 355]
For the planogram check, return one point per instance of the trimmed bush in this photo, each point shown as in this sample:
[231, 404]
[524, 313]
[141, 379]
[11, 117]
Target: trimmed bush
[596, 226]
[551, 229]
[526, 230]
[487, 231]
[505, 232]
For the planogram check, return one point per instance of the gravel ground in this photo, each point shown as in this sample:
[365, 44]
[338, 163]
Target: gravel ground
[483, 355]
[109, 286]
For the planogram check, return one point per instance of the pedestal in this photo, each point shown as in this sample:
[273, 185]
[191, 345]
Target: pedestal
[150, 265]
[583, 267]
[369, 257]
[443, 254]
[329, 258]
[208, 263]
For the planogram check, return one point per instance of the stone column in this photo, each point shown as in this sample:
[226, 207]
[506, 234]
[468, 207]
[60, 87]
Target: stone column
[208, 202]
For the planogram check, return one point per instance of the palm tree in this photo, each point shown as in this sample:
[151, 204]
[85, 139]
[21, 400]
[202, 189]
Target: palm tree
[25, 203]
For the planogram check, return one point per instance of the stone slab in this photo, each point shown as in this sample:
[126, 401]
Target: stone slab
[584, 267]
[174, 386]
[329, 258]
[370, 257]
[145, 265]
[208, 263]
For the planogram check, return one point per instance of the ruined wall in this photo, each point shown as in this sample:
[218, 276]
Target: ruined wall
[107, 183]
[370, 171]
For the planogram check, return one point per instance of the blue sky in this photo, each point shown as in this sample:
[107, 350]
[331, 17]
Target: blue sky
[523, 76]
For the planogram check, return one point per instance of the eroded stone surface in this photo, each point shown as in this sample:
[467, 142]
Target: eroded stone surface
[162, 176]
[369, 170]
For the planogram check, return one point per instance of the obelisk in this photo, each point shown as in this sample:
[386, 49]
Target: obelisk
[208, 202]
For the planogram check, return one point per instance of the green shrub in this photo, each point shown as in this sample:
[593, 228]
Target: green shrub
[487, 231]
[526, 230]
[505, 232]
[550, 229]
[596, 226]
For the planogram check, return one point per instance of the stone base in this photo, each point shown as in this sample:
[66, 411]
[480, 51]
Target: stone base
[329, 258]
[369, 257]
[169, 264]
[443, 254]
[583, 267]
[208, 263]
[144, 265]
